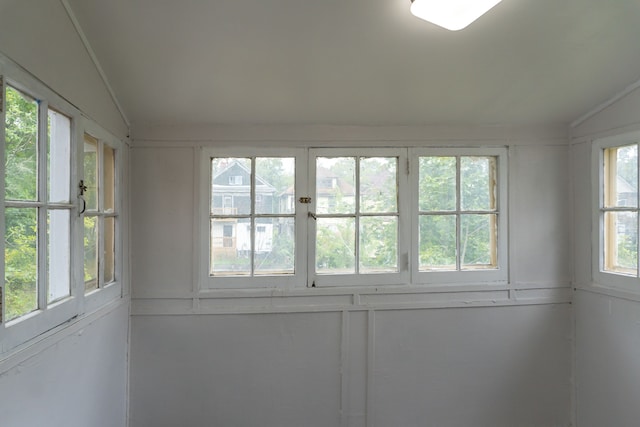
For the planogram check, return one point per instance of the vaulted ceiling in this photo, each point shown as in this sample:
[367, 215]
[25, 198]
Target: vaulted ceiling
[360, 62]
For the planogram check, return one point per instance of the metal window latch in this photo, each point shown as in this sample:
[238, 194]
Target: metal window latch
[82, 187]
[305, 200]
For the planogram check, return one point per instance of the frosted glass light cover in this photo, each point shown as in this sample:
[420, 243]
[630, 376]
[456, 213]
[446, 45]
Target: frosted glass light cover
[453, 15]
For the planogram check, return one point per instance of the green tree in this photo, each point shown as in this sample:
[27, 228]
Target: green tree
[21, 133]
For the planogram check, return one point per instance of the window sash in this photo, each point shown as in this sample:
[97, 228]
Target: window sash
[254, 276]
[459, 274]
[360, 274]
[606, 272]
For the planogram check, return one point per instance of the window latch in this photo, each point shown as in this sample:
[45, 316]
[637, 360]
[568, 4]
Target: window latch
[82, 187]
[305, 200]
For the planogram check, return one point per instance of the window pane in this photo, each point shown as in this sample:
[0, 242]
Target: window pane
[275, 189]
[335, 185]
[109, 249]
[478, 242]
[90, 162]
[231, 186]
[437, 242]
[378, 184]
[230, 247]
[21, 134]
[109, 186]
[335, 245]
[621, 176]
[477, 183]
[90, 253]
[59, 157]
[21, 289]
[275, 246]
[437, 184]
[378, 244]
[621, 242]
[58, 255]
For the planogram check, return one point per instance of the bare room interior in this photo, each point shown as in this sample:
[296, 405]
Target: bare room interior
[332, 213]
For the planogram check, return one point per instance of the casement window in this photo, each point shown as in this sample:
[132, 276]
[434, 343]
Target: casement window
[41, 264]
[358, 233]
[353, 216]
[461, 215]
[100, 213]
[251, 220]
[616, 260]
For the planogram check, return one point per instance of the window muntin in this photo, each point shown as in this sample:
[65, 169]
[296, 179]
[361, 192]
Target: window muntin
[37, 205]
[458, 213]
[252, 216]
[100, 214]
[619, 210]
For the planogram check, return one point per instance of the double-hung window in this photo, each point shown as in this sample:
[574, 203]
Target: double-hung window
[616, 258]
[41, 261]
[380, 216]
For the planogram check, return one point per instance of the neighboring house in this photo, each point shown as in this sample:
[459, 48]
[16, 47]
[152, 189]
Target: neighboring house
[330, 189]
[231, 195]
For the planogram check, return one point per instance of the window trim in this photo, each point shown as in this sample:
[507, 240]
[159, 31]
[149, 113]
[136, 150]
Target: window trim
[599, 275]
[500, 275]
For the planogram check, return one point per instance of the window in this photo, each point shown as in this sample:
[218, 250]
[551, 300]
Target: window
[460, 218]
[357, 204]
[37, 205]
[354, 216]
[41, 264]
[100, 213]
[251, 227]
[617, 217]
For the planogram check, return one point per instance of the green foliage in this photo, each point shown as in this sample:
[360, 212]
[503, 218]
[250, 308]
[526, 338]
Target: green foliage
[437, 196]
[21, 130]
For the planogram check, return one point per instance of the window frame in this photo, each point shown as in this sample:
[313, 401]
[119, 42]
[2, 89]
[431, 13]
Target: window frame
[600, 276]
[408, 273]
[105, 292]
[203, 174]
[497, 276]
[401, 276]
[16, 333]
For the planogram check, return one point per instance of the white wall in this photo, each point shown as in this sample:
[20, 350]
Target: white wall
[487, 356]
[607, 321]
[74, 378]
[75, 375]
[40, 36]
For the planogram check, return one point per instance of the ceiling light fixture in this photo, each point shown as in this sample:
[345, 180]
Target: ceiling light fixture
[453, 15]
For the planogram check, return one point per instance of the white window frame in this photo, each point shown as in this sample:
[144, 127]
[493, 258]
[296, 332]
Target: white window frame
[498, 276]
[203, 176]
[19, 332]
[363, 279]
[600, 276]
[106, 291]
[408, 271]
